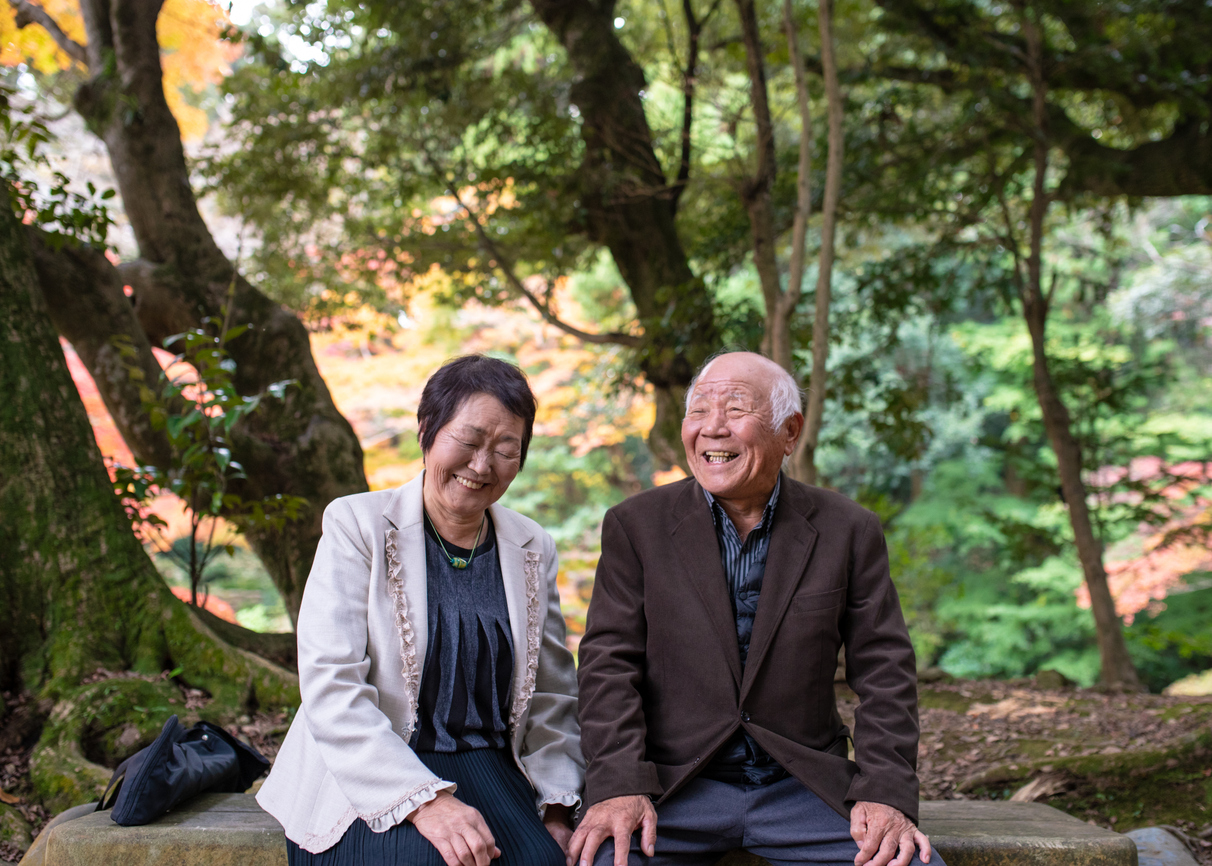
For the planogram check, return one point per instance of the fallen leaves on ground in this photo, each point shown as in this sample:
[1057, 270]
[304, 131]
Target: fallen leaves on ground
[995, 740]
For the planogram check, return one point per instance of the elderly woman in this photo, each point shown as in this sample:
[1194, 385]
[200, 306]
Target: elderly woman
[438, 722]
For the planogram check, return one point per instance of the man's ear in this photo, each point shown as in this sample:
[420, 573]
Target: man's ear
[794, 426]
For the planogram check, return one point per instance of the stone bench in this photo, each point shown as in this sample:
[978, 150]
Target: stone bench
[231, 830]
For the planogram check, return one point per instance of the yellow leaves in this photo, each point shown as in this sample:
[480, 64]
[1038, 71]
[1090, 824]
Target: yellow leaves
[32, 44]
[193, 56]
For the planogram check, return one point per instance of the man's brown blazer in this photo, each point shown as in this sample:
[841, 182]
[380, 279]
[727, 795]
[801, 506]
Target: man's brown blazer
[660, 673]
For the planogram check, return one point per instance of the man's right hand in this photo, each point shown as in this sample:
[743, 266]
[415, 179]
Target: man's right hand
[618, 817]
[457, 830]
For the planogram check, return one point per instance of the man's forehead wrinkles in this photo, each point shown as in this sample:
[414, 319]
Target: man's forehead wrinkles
[727, 390]
[726, 387]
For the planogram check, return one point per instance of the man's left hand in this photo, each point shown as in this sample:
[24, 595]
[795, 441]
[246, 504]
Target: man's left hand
[883, 833]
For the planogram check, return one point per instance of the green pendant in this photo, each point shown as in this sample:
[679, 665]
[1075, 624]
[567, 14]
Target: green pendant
[458, 561]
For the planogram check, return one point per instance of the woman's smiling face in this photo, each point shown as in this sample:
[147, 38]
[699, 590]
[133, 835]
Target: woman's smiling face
[474, 459]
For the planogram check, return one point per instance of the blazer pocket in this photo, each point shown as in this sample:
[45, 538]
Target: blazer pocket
[818, 601]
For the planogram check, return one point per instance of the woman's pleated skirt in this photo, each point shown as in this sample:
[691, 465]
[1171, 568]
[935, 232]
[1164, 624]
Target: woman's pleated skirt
[487, 780]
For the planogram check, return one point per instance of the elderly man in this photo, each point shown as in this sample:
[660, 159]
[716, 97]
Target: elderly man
[706, 670]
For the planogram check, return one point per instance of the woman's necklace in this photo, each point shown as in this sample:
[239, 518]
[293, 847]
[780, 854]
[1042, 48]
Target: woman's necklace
[458, 561]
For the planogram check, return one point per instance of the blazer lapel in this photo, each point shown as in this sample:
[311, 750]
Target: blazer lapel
[408, 585]
[520, 570]
[791, 543]
[698, 556]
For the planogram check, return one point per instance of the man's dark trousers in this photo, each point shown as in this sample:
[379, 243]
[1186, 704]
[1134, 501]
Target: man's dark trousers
[783, 822]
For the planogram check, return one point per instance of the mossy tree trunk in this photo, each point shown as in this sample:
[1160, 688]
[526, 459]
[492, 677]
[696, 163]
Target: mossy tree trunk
[301, 446]
[86, 622]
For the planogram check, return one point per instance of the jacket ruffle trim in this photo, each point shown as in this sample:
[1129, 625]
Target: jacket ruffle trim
[402, 808]
[408, 647]
[563, 798]
[534, 638]
[380, 822]
[315, 843]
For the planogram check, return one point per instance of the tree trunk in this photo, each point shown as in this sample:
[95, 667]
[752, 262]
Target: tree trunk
[804, 459]
[756, 195]
[778, 328]
[1118, 672]
[80, 597]
[301, 446]
[631, 210]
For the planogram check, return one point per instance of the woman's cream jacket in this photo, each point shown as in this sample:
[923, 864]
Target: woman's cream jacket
[362, 634]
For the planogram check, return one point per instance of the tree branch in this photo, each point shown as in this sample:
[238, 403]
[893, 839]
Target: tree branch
[86, 303]
[28, 13]
[689, 81]
[763, 178]
[504, 265]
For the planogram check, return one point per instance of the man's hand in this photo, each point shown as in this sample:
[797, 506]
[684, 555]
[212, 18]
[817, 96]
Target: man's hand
[457, 830]
[558, 821]
[618, 817]
[882, 832]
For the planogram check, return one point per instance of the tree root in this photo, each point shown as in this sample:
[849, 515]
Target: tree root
[95, 726]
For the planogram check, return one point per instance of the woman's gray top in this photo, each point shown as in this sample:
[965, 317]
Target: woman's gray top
[465, 685]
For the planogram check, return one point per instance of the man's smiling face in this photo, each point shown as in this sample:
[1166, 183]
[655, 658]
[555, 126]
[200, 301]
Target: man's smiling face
[730, 446]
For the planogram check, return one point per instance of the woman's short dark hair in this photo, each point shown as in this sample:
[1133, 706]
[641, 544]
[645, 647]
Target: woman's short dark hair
[459, 380]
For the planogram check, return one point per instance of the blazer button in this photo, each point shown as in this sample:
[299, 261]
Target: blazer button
[745, 716]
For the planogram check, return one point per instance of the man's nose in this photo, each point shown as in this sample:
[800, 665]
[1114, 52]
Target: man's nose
[716, 423]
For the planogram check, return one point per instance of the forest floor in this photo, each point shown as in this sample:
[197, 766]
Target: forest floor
[1119, 761]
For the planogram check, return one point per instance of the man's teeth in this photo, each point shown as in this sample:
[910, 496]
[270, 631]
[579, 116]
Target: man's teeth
[470, 485]
[719, 456]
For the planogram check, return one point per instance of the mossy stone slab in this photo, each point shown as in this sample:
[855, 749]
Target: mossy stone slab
[982, 833]
[211, 830]
[36, 855]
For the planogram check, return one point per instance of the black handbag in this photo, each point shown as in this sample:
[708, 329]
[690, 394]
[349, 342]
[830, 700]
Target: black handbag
[179, 764]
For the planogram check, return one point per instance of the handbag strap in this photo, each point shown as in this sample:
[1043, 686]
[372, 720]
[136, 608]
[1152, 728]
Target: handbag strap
[115, 785]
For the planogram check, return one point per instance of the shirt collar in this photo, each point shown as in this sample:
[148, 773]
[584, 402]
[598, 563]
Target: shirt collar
[717, 510]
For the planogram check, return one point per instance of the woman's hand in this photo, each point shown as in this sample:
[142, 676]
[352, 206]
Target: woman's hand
[558, 821]
[457, 830]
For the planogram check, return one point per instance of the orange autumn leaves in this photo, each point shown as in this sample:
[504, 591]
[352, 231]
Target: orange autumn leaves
[1158, 560]
[193, 54]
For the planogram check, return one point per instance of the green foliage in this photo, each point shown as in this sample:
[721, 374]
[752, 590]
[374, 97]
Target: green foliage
[61, 213]
[568, 494]
[1177, 641]
[1027, 622]
[466, 99]
[198, 414]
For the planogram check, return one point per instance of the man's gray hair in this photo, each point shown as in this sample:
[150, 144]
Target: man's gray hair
[786, 397]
